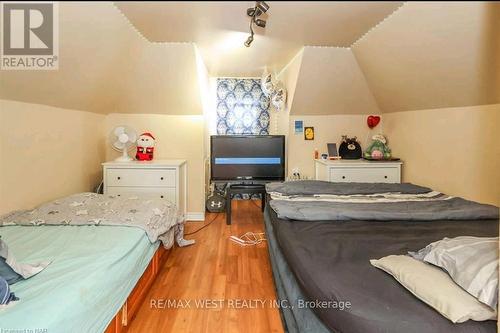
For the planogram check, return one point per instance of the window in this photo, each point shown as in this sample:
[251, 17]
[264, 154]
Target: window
[242, 107]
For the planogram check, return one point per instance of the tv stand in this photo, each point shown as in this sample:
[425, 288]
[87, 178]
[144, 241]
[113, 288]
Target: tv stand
[243, 189]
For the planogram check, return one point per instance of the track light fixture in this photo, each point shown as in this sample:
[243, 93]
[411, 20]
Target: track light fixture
[249, 40]
[260, 23]
[260, 8]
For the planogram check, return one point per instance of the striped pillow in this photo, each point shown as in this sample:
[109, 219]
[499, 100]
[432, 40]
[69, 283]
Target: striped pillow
[472, 262]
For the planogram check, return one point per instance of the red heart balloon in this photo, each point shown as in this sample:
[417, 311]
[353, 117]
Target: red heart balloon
[372, 121]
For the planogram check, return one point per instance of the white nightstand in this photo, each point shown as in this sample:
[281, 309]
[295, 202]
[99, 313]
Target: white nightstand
[165, 178]
[358, 171]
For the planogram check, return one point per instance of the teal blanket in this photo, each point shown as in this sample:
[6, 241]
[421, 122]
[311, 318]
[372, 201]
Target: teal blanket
[93, 270]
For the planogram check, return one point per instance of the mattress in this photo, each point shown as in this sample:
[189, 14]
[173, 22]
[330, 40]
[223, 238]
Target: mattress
[93, 271]
[295, 319]
[330, 262]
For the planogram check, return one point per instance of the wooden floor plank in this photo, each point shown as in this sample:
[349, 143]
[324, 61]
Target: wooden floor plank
[215, 269]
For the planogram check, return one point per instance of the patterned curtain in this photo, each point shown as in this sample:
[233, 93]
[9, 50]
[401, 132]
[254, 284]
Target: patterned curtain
[242, 107]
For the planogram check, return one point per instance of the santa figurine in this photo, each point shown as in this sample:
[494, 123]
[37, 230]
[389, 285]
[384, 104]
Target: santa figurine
[145, 147]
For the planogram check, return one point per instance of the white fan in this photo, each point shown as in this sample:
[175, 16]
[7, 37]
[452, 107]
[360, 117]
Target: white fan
[123, 138]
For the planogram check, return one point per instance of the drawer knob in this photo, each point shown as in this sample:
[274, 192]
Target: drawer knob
[119, 195]
[119, 178]
[343, 177]
[161, 178]
[385, 177]
[161, 196]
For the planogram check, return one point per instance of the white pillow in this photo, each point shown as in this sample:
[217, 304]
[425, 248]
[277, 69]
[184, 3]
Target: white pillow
[472, 262]
[434, 287]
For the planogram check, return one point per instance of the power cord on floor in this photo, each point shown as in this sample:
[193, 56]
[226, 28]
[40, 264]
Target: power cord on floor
[203, 227]
[249, 238]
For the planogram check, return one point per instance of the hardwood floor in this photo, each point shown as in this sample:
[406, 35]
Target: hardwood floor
[214, 285]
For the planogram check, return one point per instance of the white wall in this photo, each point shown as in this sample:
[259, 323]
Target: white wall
[177, 137]
[328, 129]
[453, 150]
[47, 153]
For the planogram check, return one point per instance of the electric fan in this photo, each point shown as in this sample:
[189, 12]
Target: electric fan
[123, 138]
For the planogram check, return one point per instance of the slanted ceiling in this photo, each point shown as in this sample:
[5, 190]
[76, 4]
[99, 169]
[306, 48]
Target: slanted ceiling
[219, 28]
[106, 66]
[434, 55]
[424, 55]
[331, 82]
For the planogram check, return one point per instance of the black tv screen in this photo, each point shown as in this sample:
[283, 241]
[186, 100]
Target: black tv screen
[247, 157]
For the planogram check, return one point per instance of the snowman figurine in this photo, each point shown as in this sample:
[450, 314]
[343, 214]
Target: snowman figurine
[145, 147]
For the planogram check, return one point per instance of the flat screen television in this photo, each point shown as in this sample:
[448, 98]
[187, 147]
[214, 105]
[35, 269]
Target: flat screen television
[247, 157]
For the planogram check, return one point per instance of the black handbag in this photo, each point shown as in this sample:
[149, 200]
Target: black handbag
[350, 149]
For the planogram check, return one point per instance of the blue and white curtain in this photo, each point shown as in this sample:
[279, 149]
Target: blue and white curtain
[242, 107]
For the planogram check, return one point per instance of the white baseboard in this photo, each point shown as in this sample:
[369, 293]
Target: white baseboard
[195, 216]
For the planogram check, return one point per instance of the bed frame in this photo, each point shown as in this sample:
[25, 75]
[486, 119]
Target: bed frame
[120, 323]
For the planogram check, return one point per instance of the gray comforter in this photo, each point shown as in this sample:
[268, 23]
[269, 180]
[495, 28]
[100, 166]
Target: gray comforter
[375, 202]
[155, 216]
[315, 187]
[432, 210]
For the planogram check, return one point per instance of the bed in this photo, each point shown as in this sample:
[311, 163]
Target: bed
[93, 271]
[100, 271]
[326, 260]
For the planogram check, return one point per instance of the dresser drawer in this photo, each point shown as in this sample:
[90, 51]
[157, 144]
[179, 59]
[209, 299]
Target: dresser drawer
[365, 175]
[160, 192]
[140, 177]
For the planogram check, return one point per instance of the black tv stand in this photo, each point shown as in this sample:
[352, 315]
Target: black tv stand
[243, 189]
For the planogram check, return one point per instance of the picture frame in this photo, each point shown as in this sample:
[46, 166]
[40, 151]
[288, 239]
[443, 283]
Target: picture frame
[299, 126]
[309, 133]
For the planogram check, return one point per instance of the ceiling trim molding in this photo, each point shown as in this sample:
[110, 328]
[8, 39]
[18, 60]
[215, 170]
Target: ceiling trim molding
[305, 45]
[140, 33]
[328, 47]
[377, 25]
[130, 23]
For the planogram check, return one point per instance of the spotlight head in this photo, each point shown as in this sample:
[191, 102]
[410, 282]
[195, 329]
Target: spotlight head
[262, 6]
[260, 23]
[250, 11]
[249, 41]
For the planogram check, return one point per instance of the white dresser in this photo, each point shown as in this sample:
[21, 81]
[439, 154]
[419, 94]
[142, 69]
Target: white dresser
[165, 178]
[358, 171]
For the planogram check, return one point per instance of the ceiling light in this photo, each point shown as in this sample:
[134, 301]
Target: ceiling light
[249, 41]
[260, 23]
[260, 8]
